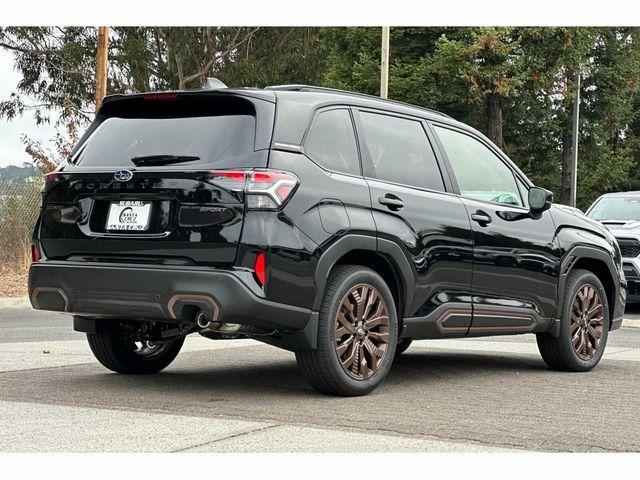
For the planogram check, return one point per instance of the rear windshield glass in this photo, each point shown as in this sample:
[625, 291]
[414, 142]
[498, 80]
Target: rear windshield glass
[616, 208]
[220, 132]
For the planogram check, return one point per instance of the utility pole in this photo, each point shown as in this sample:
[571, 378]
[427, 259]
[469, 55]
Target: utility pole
[575, 120]
[384, 64]
[101, 65]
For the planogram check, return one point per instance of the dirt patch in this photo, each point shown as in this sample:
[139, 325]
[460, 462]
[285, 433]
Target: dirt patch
[13, 282]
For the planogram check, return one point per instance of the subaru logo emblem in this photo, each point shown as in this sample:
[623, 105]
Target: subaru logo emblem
[123, 175]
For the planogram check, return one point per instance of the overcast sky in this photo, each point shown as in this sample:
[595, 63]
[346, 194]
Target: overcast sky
[11, 148]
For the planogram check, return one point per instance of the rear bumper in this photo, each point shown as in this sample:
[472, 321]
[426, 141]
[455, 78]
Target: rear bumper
[105, 290]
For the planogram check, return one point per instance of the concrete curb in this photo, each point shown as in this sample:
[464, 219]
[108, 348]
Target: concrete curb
[15, 302]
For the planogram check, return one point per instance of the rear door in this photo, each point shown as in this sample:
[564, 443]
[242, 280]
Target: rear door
[413, 209]
[157, 179]
[515, 259]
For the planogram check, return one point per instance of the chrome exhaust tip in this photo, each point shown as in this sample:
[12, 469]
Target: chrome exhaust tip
[202, 321]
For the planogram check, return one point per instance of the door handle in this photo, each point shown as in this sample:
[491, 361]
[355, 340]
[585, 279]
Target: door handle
[391, 202]
[481, 217]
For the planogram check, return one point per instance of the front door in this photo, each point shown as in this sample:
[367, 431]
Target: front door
[515, 262]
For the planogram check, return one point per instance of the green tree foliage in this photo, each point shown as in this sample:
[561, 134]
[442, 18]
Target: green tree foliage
[58, 64]
[516, 85]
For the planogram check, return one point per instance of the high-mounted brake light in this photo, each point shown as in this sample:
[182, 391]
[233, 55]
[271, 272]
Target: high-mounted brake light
[264, 189]
[160, 96]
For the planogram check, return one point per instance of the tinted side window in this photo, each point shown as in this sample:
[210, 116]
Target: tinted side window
[399, 152]
[480, 173]
[331, 142]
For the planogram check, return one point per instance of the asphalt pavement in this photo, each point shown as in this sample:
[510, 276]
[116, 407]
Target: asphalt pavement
[469, 395]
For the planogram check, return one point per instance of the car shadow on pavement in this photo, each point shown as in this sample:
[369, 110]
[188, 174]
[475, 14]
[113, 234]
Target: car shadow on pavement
[632, 308]
[266, 373]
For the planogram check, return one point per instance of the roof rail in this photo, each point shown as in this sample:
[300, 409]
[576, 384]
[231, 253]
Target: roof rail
[312, 88]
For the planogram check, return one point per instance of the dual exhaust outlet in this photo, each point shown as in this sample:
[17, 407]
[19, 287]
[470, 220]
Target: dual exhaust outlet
[205, 324]
[181, 305]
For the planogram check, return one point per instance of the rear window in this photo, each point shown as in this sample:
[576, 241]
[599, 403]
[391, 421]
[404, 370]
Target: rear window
[221, 132]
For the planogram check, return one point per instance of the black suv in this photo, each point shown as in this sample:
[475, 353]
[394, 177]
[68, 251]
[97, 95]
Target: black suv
[336, 225]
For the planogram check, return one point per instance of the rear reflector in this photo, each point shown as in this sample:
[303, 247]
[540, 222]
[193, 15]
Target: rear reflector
[35, 253]
[260, 268]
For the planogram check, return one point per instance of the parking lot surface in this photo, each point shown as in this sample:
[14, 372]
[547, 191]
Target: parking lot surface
[489, 394]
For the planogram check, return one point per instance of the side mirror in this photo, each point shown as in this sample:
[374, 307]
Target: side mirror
[539, 199]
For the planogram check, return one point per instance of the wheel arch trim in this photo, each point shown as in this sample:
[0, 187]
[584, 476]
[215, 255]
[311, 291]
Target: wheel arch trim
[572, 257]
[386, 249]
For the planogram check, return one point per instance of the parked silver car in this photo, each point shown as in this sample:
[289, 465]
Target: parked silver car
[620, 213]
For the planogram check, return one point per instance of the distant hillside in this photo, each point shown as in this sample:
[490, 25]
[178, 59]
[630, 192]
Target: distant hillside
[19, 173]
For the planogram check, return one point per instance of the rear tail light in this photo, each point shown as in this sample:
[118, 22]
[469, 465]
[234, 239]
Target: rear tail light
[233, 180]
[268, 189]
[260, 269]
[49, 180]
[264, 189]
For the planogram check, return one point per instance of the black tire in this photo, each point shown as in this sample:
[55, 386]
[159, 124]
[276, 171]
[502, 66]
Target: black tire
[322, 366]
[111, 348]
[559, 352]
[402, 346]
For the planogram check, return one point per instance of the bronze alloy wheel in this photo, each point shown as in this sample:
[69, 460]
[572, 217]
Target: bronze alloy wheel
[587, 321]
[362, 331]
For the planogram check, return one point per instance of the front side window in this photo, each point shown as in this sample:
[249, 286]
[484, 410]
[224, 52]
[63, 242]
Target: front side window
[331, 142]
[480, 173]
[399, 152]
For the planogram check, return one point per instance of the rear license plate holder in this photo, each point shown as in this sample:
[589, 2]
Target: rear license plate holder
[128, 216]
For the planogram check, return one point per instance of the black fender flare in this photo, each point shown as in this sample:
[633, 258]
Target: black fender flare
[386, 248]
[571, 257]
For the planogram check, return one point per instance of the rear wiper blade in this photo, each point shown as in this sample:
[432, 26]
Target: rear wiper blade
[162, 159]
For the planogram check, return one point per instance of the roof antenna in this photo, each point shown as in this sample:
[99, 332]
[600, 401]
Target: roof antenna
[211, 83]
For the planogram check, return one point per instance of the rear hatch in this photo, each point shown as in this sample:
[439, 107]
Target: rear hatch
[152, 181]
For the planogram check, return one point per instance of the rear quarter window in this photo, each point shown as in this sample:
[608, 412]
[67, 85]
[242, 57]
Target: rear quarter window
[331, 142]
